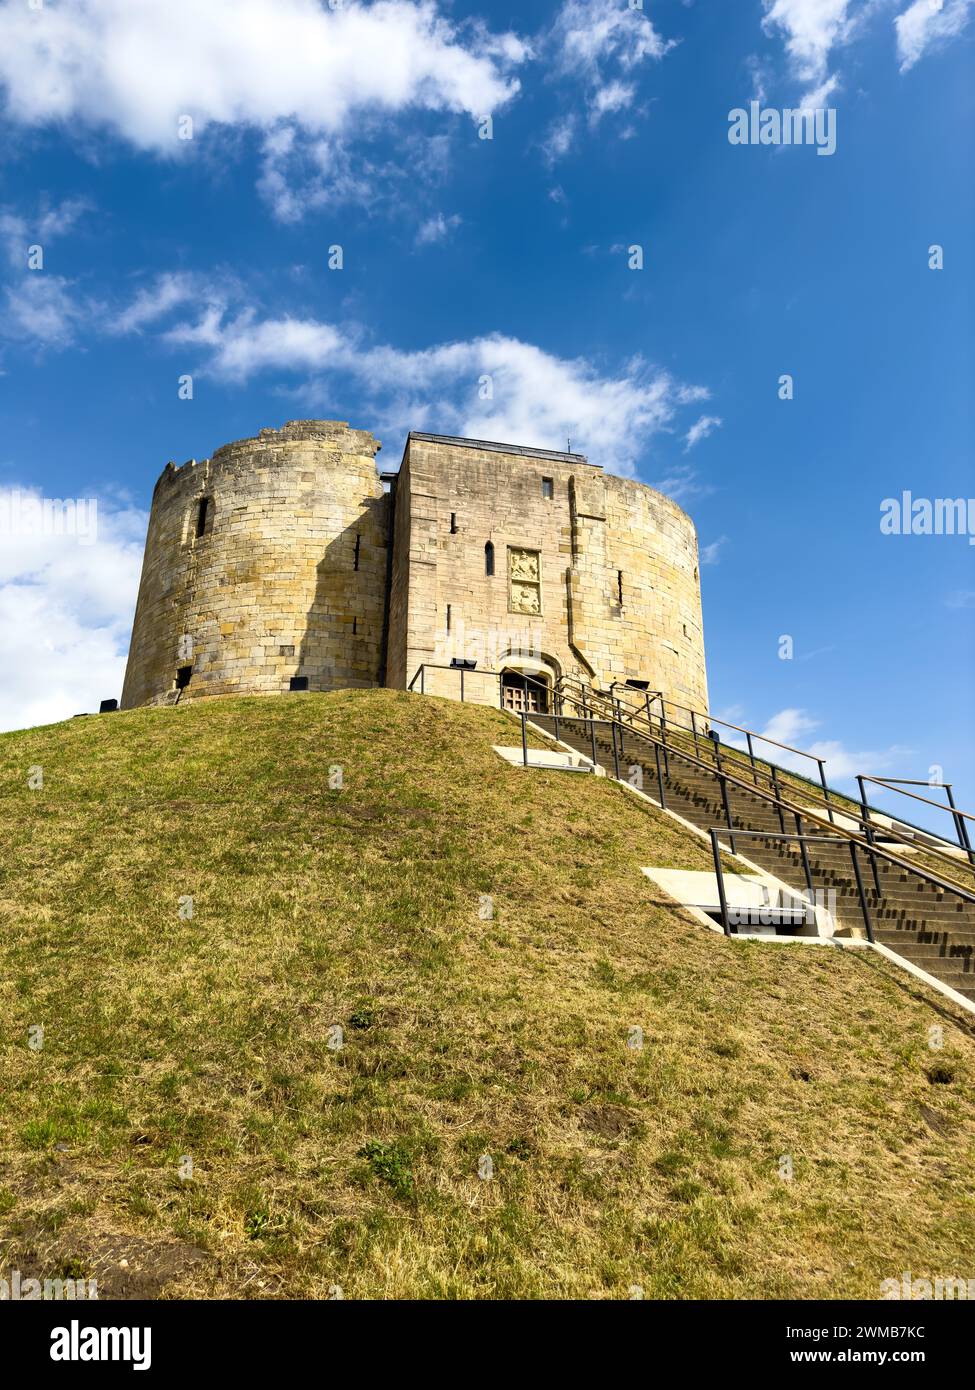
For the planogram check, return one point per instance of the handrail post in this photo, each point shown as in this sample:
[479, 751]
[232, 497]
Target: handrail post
[616, 756]
[660, 779]
[822, 778]
[727, 811]
[694, 730]
[867, 920]
[524, 737]
[719, 875]
[556, 717]
[751, 756]
[592, 739]
[423, 678]
[961, 829]
[868, 831]
[807, 870]
[778, 796]
[462, 685]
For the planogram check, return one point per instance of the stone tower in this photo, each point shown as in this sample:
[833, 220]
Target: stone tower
[265, 562]
[284, 558]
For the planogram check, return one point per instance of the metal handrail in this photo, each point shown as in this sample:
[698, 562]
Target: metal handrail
[824, 790]
[803, 841]
[897, 784]
[725, 724]
[589, 698]
[461, 671]
[889, 782]
[782, 803]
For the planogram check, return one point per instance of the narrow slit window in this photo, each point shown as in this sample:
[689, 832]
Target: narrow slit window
[489, 559]
[201, 516]
[619, 586]
[358, 542]
[453, 523]
[448, 617]
[355, 627]
[548, 487]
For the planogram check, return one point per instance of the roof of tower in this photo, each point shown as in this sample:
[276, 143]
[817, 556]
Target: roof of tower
[526, 450]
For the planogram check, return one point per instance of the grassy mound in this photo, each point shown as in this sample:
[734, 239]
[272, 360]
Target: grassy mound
[187, 1126]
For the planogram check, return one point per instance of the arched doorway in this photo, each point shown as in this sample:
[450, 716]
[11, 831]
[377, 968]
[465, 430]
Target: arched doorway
[526, 683]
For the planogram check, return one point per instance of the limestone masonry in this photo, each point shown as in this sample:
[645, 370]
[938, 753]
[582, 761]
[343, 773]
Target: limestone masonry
[288, 559]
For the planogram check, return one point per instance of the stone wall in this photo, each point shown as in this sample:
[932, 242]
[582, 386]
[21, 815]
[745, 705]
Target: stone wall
[594, 575]
[287, 579]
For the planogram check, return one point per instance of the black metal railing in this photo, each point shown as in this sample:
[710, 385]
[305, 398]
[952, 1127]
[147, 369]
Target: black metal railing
[784, 808]
[572, 699]
[803, 839]
[897, 784]
[874, 822]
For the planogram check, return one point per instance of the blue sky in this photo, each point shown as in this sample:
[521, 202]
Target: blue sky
[358, 126]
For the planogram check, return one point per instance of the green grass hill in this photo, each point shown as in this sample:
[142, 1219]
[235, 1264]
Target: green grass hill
[186, 1126]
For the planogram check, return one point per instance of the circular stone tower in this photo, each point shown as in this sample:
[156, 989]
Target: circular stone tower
[263, 564]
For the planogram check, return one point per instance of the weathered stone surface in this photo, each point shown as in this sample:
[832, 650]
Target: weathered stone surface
[293, 550]
[594, 575]
[590, 574]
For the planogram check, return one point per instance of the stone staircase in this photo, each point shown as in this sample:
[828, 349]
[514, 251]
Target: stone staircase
[932, 928]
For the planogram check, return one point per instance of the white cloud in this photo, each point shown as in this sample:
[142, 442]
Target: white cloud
[65, 613]
[588, 33]
[535, 397]
[17, 232]
[436, 228]
[793, 726]
[41, 309]
[167, 292]
[700, 430]
[683, 484]
[925, 25]
[613, 96]
[601, 42]
[812, 29]
[558, 141]
[244, 345]
[710, 554]
[282, 67]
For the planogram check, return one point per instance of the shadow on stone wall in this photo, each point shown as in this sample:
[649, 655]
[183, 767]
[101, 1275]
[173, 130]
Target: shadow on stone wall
[342, 641]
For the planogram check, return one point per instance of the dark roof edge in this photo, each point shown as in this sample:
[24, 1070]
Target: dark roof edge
[524, 449]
